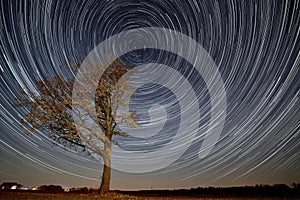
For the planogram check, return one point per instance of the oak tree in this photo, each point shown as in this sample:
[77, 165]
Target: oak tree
[52, 110]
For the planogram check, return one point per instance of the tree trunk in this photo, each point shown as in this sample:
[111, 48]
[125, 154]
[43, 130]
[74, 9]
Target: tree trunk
[106, 174]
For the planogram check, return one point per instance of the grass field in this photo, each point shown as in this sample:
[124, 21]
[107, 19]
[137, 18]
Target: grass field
[70, 196]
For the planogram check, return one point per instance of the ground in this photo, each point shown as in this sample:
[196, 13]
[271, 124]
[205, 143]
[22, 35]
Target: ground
[7, 195]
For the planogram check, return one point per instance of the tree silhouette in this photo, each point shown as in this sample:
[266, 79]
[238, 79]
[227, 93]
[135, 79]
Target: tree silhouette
[52, 110]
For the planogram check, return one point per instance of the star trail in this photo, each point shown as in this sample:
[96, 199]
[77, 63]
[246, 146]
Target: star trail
[255, 50]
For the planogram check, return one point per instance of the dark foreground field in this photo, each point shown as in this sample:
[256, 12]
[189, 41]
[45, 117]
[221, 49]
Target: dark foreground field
[9, 195]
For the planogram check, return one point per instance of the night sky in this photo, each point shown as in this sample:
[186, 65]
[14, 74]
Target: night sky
[255, 47]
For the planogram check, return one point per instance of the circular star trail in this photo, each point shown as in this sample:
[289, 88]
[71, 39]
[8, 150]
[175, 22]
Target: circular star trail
[254, 44]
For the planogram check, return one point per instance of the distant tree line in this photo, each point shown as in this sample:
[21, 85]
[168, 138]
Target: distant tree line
[277, 190]
[50, 188]
[83, 190]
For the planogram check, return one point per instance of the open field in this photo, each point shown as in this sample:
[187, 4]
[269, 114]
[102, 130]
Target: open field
[69, 196]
